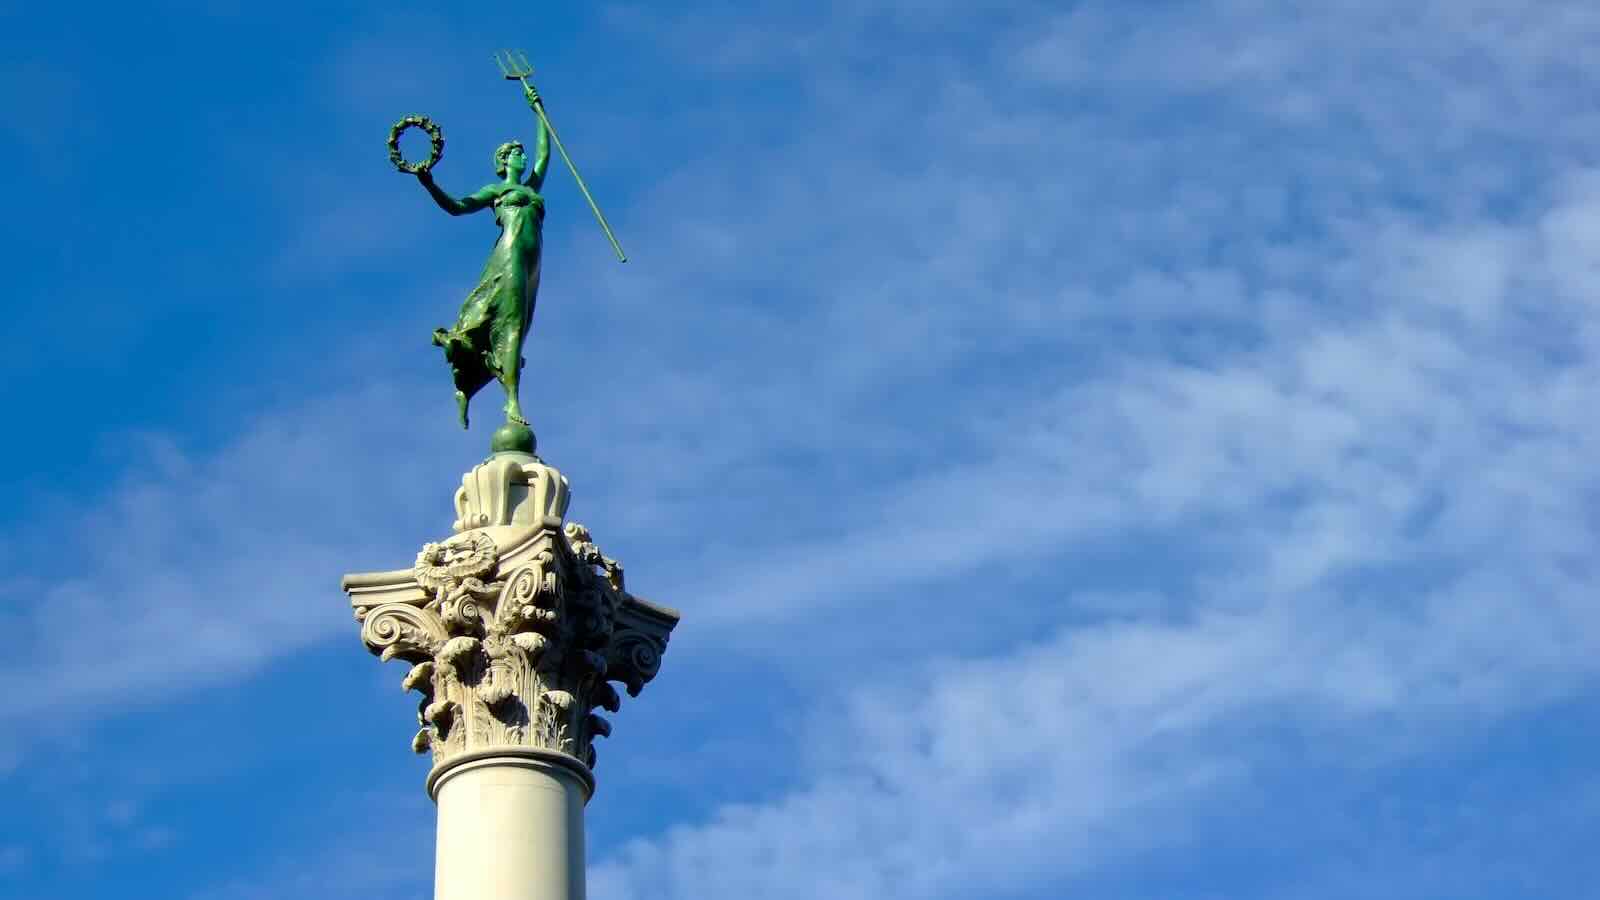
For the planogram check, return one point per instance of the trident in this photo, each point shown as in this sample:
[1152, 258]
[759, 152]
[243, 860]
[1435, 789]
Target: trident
[515, 67]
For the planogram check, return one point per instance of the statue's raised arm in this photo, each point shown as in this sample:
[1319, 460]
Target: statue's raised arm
[514, 66]
[541, 144]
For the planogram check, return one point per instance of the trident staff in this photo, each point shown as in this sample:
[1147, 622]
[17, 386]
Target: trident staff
[515, 67]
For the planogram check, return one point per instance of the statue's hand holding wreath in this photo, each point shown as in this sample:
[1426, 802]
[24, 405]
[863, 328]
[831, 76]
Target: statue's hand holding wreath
[436, 147]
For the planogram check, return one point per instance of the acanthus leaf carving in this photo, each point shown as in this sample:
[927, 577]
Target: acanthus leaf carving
[420, 678]
[588, 553]
[605, 697]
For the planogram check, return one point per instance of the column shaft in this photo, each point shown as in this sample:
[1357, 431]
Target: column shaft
[510, 828]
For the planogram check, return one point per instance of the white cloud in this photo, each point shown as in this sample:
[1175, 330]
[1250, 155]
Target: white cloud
[1030, 768]
[1392, 485]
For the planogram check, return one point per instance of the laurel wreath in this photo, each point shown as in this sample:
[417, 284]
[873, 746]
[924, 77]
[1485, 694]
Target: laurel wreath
[435, 135]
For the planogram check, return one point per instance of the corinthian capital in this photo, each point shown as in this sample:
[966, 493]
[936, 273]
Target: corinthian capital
[515, 627]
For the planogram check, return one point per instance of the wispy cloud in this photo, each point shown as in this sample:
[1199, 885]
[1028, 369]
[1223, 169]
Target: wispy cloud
[1364, 414]
[194, 569]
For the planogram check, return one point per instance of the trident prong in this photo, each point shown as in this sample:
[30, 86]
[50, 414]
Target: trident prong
[514, 66]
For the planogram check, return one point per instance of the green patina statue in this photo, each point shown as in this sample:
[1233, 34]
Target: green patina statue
[486, 341]
[485, 344]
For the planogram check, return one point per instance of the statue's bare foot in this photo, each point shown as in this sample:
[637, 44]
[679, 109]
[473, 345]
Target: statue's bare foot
[514, 416]
[461, 407]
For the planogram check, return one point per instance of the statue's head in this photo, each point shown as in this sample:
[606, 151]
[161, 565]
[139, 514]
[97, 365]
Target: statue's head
[511, 158]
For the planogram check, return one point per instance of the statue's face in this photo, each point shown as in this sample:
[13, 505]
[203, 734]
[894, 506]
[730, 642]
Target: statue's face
[516, 161]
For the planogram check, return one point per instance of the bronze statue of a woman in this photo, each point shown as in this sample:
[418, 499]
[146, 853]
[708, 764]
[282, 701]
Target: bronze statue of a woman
[486, 341]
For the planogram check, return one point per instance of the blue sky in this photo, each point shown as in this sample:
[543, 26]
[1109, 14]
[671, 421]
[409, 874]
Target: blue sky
[1121, 450]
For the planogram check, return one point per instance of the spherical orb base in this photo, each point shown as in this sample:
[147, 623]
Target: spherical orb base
[512, 438]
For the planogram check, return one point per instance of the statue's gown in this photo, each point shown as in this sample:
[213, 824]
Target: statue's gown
[486, 342]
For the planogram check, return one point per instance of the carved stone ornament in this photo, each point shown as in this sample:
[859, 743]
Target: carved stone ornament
[514, 628]
[511, 489]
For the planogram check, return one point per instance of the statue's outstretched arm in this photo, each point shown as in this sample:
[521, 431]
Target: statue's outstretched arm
[468, 204]
[541, 153]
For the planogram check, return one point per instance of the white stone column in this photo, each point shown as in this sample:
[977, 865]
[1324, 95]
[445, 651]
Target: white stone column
[515, 628]
[511, 827]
